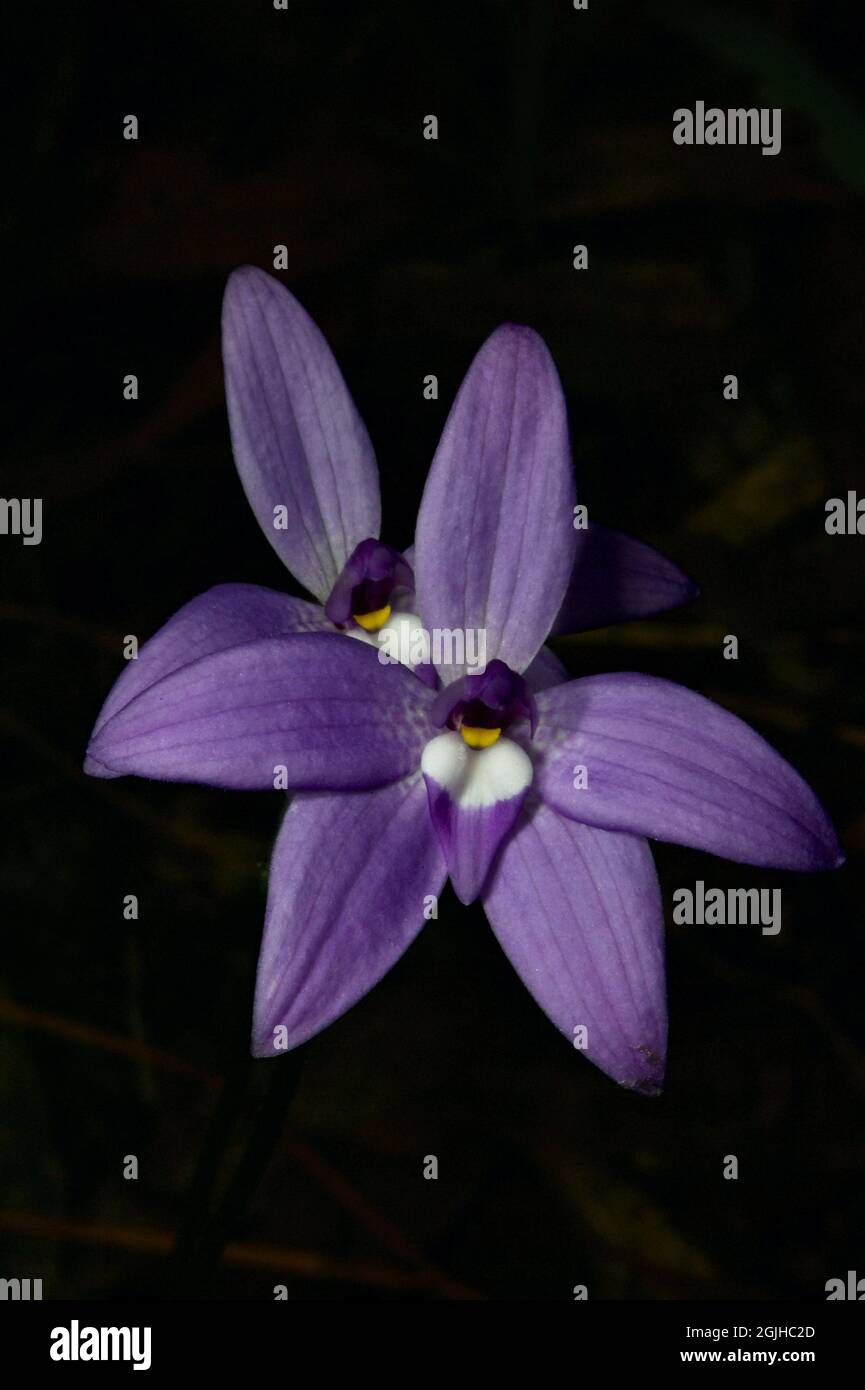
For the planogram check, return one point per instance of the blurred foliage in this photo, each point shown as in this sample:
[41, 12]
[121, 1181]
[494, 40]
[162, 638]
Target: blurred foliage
[261, 127]
[785, 75]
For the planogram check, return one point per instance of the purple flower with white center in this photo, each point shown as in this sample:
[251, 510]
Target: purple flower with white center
[401, 785]
[308, 470]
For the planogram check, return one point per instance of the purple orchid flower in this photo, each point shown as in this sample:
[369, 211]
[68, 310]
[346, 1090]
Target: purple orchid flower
[399, 784]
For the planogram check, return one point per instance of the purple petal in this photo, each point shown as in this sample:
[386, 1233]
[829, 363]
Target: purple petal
[475, 795]
[319, 706]
[495, 541]
[664, 762]
[222, 617]
[350, 879]
[616, 578]
[545, 670]
[578, 912]
[298, 440]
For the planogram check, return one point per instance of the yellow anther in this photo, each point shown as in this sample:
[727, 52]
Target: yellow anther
[476, 737]
[371, 622]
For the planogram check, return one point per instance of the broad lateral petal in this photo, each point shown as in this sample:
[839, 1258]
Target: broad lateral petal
[323, 709]
[475, 796]
[578, 912]
[350, 880]
[616, 578]
[665, 762]
[221, 617]
[298, 440]
[494, 544]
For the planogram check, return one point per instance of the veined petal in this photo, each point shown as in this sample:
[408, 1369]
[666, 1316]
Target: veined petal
[495, 541]
[222, 617]
[298, 440]
[665, 762]
[312, 711]
[616, 578]
[475, 795]
[578, 911]
[350, 880]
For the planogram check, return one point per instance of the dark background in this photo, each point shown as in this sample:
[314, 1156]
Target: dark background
[303, 127]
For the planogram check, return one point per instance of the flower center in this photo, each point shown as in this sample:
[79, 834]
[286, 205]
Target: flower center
[482, 707]
[363, 593]
[476, 780]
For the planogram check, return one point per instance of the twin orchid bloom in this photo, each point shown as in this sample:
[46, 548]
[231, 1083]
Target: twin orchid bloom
[533, 792]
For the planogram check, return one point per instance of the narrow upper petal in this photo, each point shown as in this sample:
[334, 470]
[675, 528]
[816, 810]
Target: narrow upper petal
[350, 880]
[222, 617]
[616, 578]
[665, 762]
[495, 540]
[312, 711]
[299, 442]
[475, 796]
[579, 913]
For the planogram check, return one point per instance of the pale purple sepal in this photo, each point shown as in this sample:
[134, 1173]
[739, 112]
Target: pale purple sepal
[579, 913]
[298, 440]
[221, 617]
[494, 544]
[314, 711]
[665, 762]
[616, 578]
[352, 881]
